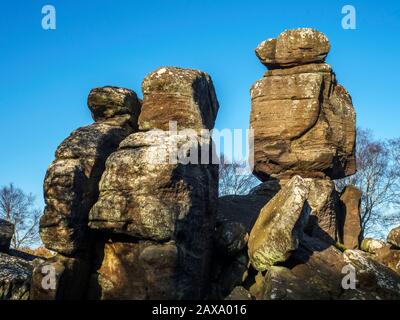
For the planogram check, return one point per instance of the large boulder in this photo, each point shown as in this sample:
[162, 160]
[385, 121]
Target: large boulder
[6, 234]
[186, 96]
[294, 47]
[15, 277]
[371, 245]
[114, 105]
[279, 227]
[60, 278]
[388, 257]
[144, 270]
[71, 182]
[350, 231]
[303, 121]
[394, 237]
[324, 203]
[373, 277]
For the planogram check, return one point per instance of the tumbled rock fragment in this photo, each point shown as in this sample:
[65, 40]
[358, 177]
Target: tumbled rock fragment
[371, 245]
[279, 227]
[394, 237]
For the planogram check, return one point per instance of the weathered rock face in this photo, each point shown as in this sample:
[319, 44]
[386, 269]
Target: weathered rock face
[186, 96]
[60, 278]
[303, 120]
[294, 47]
[71, 182]
[323, 200]
[6, 234]
[371, 245]
[280, 225]
[15, 277]
[349, 218]
[394, 237]
[180, 201]
[373, 277]
[114, 105]
[141, 270]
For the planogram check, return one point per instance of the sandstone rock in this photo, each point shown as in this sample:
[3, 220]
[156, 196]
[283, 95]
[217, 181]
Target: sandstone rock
[323, 200]
[60, 278]
[227, 272]
[258, 287]
[231, 237]
[394, 237]
[280, 225]
[371, 245]
[239, 293]
[381, 282]
[15, 277]
[6, 234]
[282, 284]
[243, 209]
[350, 231]
[294, 47]
[388, 257]
[186, 96]
[113, 103]
[144, 270]
[304, 123]
[178, 198]
[71, 185]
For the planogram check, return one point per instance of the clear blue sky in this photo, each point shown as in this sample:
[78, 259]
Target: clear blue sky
[46, 75]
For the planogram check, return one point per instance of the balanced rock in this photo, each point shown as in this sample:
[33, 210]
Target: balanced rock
[114, 105]
[185, 96]
[279, 227]
[71, 181]
[294, 47]
[6, 234]
[349, 218]
[394, 237]
[303, 121]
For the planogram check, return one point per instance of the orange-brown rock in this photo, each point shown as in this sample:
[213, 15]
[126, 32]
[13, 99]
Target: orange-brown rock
[186, 96]
[350, 231]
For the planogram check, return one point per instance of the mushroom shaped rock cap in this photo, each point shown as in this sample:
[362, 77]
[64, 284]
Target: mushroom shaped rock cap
[293, 48]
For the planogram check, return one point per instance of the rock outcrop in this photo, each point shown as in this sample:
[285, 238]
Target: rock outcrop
[394, 237]
[6, 234]
[349, 218]
[303, 120]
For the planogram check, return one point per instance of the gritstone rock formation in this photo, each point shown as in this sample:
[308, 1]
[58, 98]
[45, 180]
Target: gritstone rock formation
[303, 120]
[132, 213]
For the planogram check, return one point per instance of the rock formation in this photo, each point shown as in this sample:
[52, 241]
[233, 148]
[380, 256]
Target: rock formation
[303, 120]
[132, 208]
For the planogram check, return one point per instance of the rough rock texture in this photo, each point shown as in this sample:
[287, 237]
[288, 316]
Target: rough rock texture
[142, 270]
[349, 218]
[114, 105]
[186, 96]
[279, 226]
[323, 200]
[15, 277]
[381, 282]
[60, 278]
[294, 47]
[388, 257]
[371, 245]
[6, 234]
[71, 182]
[303, 120]
[394, 237]
[239, 293]
[180, 200]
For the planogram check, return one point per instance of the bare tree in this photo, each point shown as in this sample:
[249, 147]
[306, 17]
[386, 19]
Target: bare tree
[378, 177]
[18, 208]
[233, 180]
